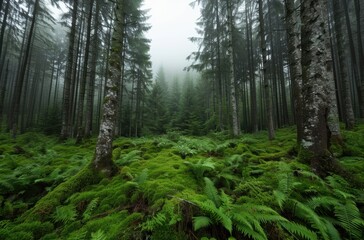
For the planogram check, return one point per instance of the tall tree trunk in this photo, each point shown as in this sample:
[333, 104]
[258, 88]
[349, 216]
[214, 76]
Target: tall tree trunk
[91, 85]
[342, 46]
[65, 132]
[295, 64]
[3, 26]
[360, 53]
[252, 82]
[20, 80]
[80, 130]
[102, 161]
[234, 109]
[267, 94]
[353, 55]
[316, 79]
[2, 93]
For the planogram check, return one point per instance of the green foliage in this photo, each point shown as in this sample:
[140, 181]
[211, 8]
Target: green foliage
[199, 168]
[65, 214]
[90, 209]
[99, 235]
[244, 188]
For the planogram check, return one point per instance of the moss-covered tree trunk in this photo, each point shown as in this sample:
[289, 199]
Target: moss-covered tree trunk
[103, 153]
[102, 164]
[316, 87]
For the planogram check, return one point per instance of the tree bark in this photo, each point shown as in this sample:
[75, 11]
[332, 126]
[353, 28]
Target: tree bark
[353, 56]
[91, 85]
[316, 80]
[80, 129]
[3, 26]
[102, 161]
[20, 80]
[267, 92]
[65, 132]
[234, 110]
[342, 46]
[2, 93]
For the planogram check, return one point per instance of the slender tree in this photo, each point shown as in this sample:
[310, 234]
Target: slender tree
[267, 90]
[102, 160]
[342, 46]
[21, 77]
[234, 107]
[295, 63]
[66, 107]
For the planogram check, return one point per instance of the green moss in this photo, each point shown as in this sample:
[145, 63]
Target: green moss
[48, 203]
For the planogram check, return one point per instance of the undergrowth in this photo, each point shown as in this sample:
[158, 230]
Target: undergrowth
[179, 187]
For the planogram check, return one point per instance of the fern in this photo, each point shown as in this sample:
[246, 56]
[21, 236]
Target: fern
[154, 222]
[90, 208]
[79, 235]
[65, 214]
[298, 229]
[198, 169]
[130, 157]
[349, 219]
[304, 212]
[99, 235]
[142, 177]
[211, 192]
[201, 222]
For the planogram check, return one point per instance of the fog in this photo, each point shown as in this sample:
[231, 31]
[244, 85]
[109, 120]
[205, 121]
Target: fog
[173, 22]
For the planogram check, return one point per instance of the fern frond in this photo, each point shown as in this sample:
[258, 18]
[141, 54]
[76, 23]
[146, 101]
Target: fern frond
[90, 208]
[298, 229]
[322, 201]
[349, 218]
[142, 177]
[157, 220]
[201, 222]
[304, 212]
[225, 199]
[280, 197]
[218, 215]
[211, 192]
[332, 231]
[99, 235]
[65, 214]
[79, 235]
[250, 233]
[130, 157]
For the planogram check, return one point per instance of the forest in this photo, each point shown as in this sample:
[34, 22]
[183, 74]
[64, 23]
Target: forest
[261, 138]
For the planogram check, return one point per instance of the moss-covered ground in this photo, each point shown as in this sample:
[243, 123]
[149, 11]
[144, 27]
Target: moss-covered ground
[179, 187]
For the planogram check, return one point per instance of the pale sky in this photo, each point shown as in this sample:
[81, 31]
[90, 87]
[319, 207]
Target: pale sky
[173, 22]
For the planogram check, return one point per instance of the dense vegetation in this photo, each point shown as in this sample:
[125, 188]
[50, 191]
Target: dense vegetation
[180, 187]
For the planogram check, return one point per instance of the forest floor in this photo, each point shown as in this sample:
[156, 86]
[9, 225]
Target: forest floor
[180, 187]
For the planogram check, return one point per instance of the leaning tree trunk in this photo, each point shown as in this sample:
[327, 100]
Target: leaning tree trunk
[342, 45]
[102, 161]
[267, 94]
[66, 121]
[234, 108]
[295, 64]
[316, 87]
[21, 78]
